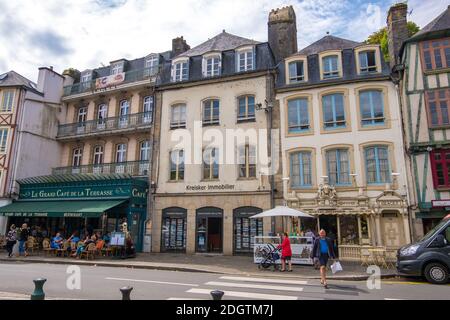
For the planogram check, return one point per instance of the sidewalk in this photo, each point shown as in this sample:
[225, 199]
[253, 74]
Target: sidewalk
[235, 265]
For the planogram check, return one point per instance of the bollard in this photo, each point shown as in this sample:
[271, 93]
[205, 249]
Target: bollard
[38, 293]
[126, 291]
[217, 295]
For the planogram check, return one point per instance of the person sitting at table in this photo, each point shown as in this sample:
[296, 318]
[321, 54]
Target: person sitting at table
[84, 245]
[57, 241]
[74, 238]
[107, 237]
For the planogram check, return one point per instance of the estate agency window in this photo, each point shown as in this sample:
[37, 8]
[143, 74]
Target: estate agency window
[174, 227]
[245, 229]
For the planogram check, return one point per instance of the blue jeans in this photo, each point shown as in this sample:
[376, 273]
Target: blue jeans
[21, 246]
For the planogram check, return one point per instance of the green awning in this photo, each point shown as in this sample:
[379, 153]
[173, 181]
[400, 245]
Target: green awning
[69, 209]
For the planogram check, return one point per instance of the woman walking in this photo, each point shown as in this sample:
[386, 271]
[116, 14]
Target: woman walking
[24, 233]
[286, 252]
[11, 240]
[323, 250]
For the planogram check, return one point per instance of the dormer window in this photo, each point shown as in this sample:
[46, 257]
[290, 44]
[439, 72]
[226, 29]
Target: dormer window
[368, 59]
[116, 68]
[330, 67]
[296, 71]
[86, 76]
[180, 70]
[151, 64]
[211, 66]
[367, 62]
[245, 59]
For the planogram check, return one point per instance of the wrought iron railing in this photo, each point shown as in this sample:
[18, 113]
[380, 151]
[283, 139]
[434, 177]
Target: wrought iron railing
[130, 76]
[136, 120]
[134, 168]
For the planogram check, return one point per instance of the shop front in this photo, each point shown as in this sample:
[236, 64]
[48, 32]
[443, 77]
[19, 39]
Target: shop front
[83, 203]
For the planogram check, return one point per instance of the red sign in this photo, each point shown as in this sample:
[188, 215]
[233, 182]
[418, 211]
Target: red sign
[109, 81]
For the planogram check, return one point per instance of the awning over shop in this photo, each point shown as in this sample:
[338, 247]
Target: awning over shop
[68, 209]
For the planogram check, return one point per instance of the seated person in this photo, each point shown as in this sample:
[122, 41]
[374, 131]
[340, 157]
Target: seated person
[74, 238]
[107, 237]
[57, 241]
[82, 246]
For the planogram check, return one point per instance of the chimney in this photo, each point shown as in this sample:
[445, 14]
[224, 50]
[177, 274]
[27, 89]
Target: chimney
[179, 46]
[50, 83]
[397, 31]
[282, 30]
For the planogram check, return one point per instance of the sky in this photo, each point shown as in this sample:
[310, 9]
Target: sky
[86, 34]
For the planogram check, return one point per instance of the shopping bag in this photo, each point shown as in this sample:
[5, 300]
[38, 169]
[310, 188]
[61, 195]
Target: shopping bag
[336, 267]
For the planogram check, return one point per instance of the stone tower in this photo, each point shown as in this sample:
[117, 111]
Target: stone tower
[282, 29]
[397, 31]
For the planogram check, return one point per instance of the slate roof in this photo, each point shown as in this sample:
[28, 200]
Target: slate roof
[440, 23]
[13, 79]
[329, 43]
[222, 42]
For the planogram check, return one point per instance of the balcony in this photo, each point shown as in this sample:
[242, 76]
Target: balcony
[130, 77]
[134, 168]
[132, 122]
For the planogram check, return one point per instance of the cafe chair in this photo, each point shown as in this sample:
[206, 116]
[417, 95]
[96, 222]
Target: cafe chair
[64, 250]
[89, 251]
[47, 248]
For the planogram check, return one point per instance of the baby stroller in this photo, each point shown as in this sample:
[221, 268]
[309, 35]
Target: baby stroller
[269, 257]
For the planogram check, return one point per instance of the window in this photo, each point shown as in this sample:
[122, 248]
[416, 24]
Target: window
[124, 109]
[298, 115]
[178, 116]
[245, 60]
[435, 54]
[211, 164]
[440, 166]
[333, 111]
[7, 101]
[437, 102]
[86, 77]
[121, 153]
[82, 114]
[330, 67]
[180, 71]
[372, 107]
[211, 66]
[247, 161]
[367, 62]
[116, 68]
[211, 112]
[377, 165]
[98, 155]
[147, 108]
[246, 110]
[77, 155]
[144, 151]
[338, 167]
[177, 165]
[300, 169]
[3, 139]
[102, 113]
[151, 65]
[296, 71]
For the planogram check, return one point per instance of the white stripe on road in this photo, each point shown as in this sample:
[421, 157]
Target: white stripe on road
[253, 286]
[245, 279]
[248, 295]
[157, 282]
[177, 299]
[392, 299]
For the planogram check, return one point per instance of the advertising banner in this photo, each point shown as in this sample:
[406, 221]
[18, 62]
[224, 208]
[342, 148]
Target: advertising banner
[109, 81]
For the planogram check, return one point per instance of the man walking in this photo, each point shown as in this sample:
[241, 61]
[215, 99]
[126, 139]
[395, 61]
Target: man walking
[323, 250]
[24, 233]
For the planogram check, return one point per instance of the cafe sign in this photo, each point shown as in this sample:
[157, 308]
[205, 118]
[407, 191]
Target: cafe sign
[112, 80]
[97, 192]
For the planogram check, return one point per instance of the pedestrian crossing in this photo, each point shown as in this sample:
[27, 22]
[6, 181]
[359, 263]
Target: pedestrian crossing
[252, 288]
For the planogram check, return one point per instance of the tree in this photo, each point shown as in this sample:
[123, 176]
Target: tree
[380, 37]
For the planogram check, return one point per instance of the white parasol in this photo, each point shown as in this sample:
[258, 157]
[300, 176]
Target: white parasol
[281, 211]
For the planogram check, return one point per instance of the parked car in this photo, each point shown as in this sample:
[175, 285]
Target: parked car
[428, 257]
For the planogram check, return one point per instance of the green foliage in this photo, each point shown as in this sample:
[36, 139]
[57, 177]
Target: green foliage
[380, 37]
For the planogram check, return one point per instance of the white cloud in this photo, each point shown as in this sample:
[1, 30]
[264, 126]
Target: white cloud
[86, 33]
